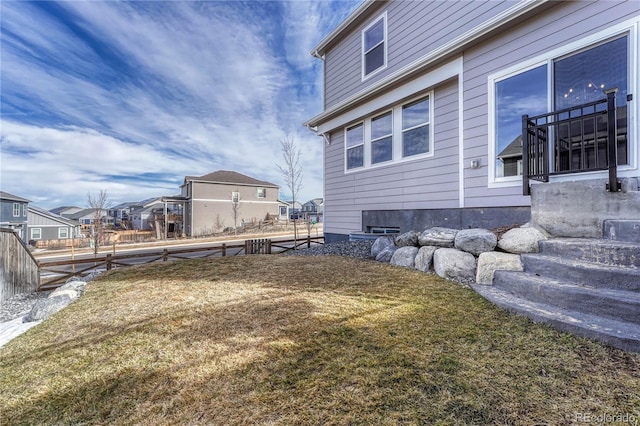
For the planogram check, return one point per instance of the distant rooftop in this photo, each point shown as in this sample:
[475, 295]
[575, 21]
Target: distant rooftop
[225, 176]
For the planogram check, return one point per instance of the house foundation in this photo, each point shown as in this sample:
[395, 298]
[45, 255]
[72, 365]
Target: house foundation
[580, 208]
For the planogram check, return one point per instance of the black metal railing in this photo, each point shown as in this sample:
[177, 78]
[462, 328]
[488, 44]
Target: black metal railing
[583, 138]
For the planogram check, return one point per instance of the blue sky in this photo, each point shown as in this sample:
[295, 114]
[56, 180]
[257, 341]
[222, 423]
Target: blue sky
[131, 97]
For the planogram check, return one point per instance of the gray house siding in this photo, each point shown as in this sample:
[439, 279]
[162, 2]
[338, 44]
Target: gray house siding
[408, 39]
[8, 220]
[565, 22]
[447, 181]
[427, 183]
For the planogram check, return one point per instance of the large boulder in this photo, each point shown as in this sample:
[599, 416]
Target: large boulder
[439, 237]
[424, 258]
[454, 264]
[407, 239]
[405, 256]
[380, 244]
[44, 308]
[386, 254]
[521, 240]
[475, 241]
[492, 261]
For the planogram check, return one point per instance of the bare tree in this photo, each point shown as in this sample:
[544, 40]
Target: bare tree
[99, 204]
[235, 209]
[292, 173]
[218, 223]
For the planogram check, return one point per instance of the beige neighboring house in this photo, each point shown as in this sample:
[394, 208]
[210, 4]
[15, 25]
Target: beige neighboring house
[210, 200]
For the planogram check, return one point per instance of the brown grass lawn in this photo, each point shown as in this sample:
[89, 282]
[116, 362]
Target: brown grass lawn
[301, 340]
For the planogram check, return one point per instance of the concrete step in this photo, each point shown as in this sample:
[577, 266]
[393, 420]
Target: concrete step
[614, 304]
[582, 273]
[620, 334]
[601, 251]
[622, 230]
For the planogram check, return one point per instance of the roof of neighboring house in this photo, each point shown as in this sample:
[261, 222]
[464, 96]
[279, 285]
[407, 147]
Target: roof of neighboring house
[82, 213]
[11, 197]
[53, 216]
[316, 201]
[513, 150]
[62, 209]
[226, 176]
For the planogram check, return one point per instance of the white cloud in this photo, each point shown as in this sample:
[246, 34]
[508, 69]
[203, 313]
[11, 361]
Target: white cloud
[173, 88]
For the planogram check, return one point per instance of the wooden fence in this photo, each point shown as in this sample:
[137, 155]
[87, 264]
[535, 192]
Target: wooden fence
[83, 267]
[18, 268]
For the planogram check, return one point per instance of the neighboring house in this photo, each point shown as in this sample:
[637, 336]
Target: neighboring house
[424, 104]
[120, 213]
[13, 214]
[312, 209]
[46, 226]
[87, 217]
[288, 210]
[209, 201]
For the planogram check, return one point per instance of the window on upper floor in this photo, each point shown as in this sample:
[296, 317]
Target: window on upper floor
[235, 197]
[16, 209]
[24, 210]
[374, 47]
[402, 133]
[261, 192]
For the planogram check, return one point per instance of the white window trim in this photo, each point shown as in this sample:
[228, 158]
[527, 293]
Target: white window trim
[385, 41]
[39, 234]
[235, 197]
[363, 144]
[396, 135]
[629, 27]
[393, 140]
[24, 210]
[60, 237]
[16, 208]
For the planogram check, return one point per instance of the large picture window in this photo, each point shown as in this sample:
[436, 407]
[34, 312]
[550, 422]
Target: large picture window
[374, 46]
[557, 83]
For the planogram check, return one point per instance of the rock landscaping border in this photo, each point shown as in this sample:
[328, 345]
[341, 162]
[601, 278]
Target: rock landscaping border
[467, 255]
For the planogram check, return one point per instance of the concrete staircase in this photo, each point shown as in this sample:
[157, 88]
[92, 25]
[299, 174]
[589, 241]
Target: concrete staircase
[589, 287]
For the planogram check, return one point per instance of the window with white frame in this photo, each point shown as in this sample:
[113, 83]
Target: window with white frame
[63, 233]
[402, 133]
[24, 210]
[561, 80]
[374, 46]
[382, 138]
[235, 197]
[261, 192]
[16, 209]
[36, 233]
[415, 128]
[355, 146]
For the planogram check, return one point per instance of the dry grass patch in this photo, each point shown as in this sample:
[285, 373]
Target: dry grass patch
[298, 340]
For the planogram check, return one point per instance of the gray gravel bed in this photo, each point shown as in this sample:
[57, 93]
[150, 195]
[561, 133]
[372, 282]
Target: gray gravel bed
[20, 305]
[357, 249]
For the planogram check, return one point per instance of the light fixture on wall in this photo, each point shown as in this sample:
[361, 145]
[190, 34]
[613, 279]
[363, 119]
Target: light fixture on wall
[475, 164]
